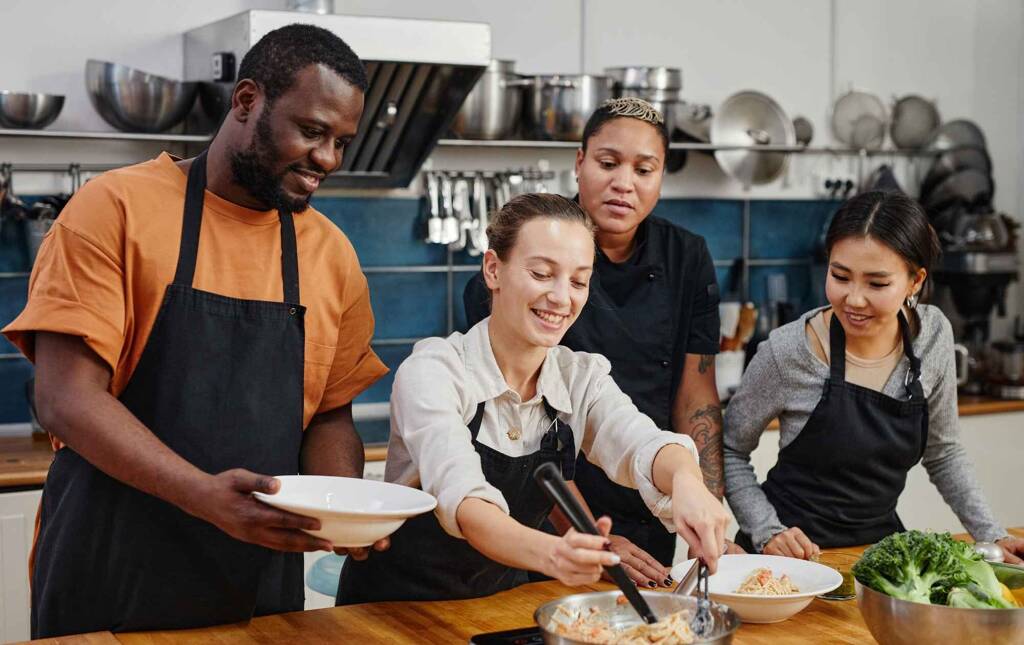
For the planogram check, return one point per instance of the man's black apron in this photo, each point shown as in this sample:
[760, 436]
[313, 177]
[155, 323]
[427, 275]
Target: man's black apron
[426, 563]
[840, 479]
[220, 382]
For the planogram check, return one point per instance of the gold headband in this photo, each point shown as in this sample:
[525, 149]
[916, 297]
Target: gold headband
[635, 108]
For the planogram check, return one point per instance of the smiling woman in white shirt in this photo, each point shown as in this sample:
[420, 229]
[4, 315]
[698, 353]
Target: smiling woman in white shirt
[474, 414]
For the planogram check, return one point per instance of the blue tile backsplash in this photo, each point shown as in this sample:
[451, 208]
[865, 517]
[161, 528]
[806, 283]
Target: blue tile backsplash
[387, 232]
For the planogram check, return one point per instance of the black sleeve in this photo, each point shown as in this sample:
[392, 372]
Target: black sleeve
[704, 325]
[476, 298]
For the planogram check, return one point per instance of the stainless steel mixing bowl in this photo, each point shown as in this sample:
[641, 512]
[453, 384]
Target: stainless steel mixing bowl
[618, 615]
[29, 110]
[134, 101]
[900, 622]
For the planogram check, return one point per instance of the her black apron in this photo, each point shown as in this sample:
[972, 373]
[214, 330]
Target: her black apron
[840, 479]
[220, 382]
[426, 563]
[639, 348]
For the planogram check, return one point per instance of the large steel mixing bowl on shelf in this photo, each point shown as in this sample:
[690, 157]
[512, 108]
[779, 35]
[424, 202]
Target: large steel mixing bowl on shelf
[135, 101]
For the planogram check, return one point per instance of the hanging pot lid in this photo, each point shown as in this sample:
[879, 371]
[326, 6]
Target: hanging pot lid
[750, 118]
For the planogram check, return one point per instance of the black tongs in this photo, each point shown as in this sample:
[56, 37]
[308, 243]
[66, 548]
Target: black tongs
[550, 480]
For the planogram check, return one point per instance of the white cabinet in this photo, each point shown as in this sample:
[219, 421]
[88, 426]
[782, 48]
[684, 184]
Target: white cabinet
[17, 525]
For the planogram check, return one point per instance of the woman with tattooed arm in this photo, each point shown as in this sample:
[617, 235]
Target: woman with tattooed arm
[652, 311]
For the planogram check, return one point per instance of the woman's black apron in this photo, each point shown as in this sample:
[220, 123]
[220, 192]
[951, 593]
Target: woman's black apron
[840, 479]
[220, 382]
[426, 563]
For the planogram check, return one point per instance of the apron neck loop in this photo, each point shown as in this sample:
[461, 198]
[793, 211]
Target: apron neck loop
[192, 221]
[560, 440]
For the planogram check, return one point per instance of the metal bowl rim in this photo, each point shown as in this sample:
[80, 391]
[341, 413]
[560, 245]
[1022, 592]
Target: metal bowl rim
[868, 591]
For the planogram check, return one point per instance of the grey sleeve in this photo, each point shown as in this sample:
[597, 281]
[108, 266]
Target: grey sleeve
[757, 401]
[945, 459]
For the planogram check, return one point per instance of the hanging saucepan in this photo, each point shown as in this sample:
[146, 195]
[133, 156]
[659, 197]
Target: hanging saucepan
[557, 106]
[751, 118]
[859, 119]
[952, 161]
[914, 121]
[970, 187]
[959, 133]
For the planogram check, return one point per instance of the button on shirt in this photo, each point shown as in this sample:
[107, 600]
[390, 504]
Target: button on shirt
[437, 391]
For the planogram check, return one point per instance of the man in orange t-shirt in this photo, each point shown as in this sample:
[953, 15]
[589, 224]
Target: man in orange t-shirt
[197, 328]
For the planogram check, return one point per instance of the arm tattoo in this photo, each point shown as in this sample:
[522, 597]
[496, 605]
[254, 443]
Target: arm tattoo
[706, 431]
[706, 361]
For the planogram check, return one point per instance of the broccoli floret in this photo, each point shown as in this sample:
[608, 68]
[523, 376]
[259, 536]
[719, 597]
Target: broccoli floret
[915, 566]
[964, 599]
[973, 596]
[984, 578]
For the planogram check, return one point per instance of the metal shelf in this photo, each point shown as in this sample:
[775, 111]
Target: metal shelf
[705, 147]
[106, 136]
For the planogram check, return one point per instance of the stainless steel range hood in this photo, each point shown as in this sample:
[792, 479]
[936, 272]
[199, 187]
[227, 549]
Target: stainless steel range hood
[420, 72]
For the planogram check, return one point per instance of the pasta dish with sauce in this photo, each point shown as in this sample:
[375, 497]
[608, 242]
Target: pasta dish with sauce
[761, 582]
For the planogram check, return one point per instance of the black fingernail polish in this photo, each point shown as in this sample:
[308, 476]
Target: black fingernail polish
[668, 582]
[652, 584]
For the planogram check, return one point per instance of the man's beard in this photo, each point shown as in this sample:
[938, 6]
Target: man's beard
[252, 169]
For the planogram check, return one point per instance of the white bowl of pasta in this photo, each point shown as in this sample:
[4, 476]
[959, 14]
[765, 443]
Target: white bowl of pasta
[766, 588]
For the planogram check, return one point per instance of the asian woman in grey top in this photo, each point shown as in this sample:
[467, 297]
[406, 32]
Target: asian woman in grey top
[845, 449]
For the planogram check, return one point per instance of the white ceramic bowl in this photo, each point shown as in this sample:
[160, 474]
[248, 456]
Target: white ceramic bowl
[352, 512]
[810, 578]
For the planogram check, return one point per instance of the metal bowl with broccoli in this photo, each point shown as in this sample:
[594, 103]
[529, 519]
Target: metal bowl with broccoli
[917, 587]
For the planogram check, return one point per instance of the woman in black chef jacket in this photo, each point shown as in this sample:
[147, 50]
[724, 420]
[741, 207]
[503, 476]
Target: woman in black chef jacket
[653, 312]
[474, 414]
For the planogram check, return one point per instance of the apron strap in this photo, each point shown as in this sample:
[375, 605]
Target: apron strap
[474, 424]
[913, 379]
[561, 441]
[837, 350]
[289, 258]
[192, 221]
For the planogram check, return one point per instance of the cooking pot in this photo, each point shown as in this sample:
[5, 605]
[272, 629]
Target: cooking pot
[659, 86]
[557, 106]
[492, 108]
[751, 118]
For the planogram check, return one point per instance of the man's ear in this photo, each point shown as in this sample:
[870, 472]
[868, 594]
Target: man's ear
[245, 99]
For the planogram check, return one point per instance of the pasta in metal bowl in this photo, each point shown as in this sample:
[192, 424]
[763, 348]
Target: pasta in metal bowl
[606, 617]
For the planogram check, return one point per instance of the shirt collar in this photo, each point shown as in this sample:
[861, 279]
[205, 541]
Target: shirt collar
[483, 368]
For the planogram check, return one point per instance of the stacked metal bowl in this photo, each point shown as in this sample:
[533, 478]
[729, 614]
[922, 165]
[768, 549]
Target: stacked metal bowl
[135, 101]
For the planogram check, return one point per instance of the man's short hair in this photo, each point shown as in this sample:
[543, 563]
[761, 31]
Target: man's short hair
[277, 58]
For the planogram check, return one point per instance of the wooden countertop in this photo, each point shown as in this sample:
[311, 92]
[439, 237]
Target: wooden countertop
[24, 460]
[455, 621]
